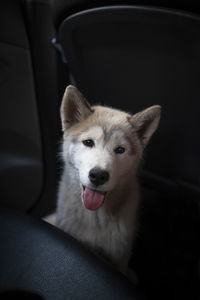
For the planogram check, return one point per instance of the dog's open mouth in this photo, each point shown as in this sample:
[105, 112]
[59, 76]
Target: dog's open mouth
[93, 199]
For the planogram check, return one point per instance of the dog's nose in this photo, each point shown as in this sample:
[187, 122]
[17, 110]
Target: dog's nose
[98, 176]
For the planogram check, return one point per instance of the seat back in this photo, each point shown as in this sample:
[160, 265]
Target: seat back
[133, 57]
[29, 110]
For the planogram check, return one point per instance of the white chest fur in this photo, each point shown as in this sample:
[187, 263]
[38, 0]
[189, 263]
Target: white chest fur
[102, 231]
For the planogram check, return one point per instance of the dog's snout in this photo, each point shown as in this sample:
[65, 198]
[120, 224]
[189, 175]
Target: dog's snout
[98, 176]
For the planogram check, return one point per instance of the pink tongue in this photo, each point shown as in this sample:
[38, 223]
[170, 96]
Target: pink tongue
[93, 199]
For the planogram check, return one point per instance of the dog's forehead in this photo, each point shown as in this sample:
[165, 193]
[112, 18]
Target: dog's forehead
[93, 132]
[105, 122]
[103, 132]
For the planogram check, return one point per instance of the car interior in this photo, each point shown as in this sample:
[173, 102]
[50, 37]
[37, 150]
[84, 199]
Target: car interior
[123, 54]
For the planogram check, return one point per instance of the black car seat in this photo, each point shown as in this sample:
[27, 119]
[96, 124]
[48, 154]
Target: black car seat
[131, 57]
[29, 111]
[38, 261]
[159, 66]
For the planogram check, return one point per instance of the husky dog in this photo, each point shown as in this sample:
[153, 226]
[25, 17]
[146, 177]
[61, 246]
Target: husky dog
[98, 194]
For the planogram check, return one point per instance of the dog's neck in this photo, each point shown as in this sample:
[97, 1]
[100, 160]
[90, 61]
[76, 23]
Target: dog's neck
[116, 216]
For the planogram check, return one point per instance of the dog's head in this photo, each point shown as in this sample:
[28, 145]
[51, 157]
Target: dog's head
[103, 145]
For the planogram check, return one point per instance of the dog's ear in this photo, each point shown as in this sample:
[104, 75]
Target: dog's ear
[146, 122]
[74, 108]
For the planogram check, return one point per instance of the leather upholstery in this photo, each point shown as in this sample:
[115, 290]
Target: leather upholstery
[62, 8]
[21, 164]
[38, 261]
[37, 257]
[132, 57]
[29, 114]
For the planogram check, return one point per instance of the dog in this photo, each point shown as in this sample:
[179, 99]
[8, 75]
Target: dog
[98, 194]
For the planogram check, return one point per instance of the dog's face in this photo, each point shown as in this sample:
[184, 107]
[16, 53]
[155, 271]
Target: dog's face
[103, 145]
[102, 157]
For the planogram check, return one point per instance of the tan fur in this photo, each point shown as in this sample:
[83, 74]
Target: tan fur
[110, 230]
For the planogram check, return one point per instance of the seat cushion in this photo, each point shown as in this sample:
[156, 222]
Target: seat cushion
[38, 258]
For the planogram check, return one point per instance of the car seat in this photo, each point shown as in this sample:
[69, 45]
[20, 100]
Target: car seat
[128, 57]
[37, 260]
[131, 57]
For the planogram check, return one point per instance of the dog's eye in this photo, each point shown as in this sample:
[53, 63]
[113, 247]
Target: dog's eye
[119, 150]
[88, 143]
